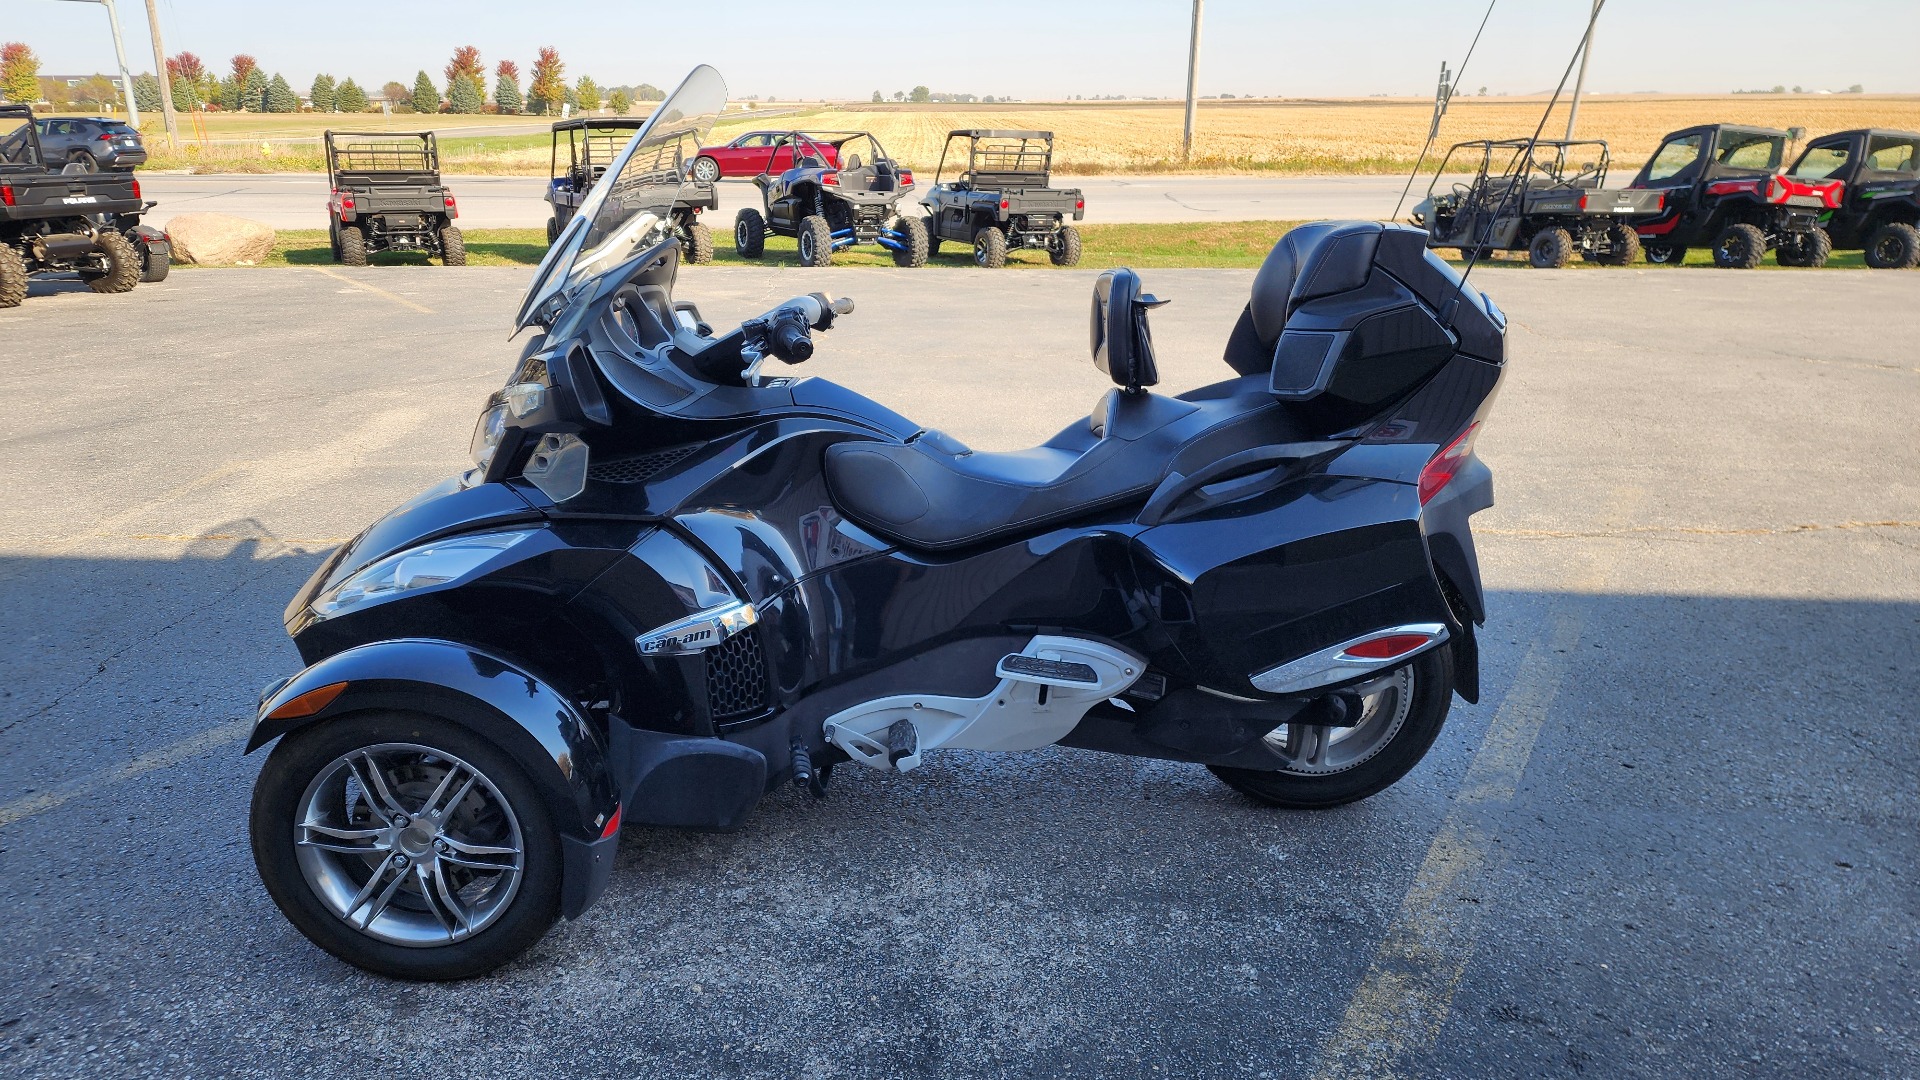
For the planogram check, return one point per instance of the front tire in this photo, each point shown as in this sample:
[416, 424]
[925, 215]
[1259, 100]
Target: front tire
[1320, 767]
[749, 234]
[816, 241]
[1551, 248]
[13, 277]
[913, 241]
[1739, 247]
[453, 247]
[699, 245]
[706, 170]
[123, 268]
[1894, 246]
[348, 843]
[990, 248]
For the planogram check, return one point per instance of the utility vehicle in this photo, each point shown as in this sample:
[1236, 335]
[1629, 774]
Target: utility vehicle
[1561, 205]
[829, 207]
[669, 582]
[386, 195]
[1880, 209]
[593, 142]
[1001, 201]
[54, 222]
[1721, 186]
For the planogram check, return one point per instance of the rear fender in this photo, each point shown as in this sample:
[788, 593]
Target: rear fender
[537, 726]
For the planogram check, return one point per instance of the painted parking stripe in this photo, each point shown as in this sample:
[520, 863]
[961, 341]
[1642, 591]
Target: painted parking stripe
[166, 757]
[375, 289]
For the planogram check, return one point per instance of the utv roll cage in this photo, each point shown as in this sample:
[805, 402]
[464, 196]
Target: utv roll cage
[592, 144]
[1546, 166]
[1000, 158]
[384, 157]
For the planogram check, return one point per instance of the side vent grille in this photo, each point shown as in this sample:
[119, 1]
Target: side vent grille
[736, 678]
[639, 470]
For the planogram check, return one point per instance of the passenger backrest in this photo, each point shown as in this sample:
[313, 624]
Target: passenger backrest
[1313, 260]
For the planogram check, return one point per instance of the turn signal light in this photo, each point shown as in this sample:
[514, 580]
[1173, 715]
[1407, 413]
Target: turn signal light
[307, 704]
[1447, 464]
[6, 194]
[1386, 648]
[613, 823]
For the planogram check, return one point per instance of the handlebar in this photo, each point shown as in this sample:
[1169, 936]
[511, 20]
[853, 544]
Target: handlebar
[787, 326]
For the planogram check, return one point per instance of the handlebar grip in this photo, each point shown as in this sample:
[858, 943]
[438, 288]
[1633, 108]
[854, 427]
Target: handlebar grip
[791, 341]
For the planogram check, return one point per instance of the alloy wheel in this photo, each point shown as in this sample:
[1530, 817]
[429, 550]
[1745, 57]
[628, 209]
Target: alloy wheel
[408, 844]
[1318, 750]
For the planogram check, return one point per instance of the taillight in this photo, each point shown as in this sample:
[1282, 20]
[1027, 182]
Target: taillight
[906, 176]
[613, 823]
[1660, 201]
[136, 189]
[6, 194]
[103, 137]
[1447, 464]
[1583, 202]
[1079, 204]
[452, 210]
[1775, 190]
[830, 179]
[1004, 204]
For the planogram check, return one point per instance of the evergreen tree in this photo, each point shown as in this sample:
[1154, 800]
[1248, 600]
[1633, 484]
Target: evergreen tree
[506, 88]
[146, 93]
[465, 95]
[280, 97]
[186, 94]
[253, 92]
[426, 99]
[586, 94]
[620, 103]
[349, 98]
[322, 93]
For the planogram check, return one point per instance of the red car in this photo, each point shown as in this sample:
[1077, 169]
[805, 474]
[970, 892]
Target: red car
[758, 152]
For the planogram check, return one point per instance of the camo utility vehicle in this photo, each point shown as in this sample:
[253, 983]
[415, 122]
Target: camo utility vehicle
[1540, 202]
[1002, 200]
[1880, 210]
[386, 195]
[1720, 185]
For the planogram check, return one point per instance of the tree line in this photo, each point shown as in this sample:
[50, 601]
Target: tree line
[245, 86]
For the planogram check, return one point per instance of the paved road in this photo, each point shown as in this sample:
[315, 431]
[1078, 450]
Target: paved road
[1678, 839]
[294, 201]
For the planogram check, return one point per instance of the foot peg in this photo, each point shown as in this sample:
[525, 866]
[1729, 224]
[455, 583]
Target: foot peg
[903, 742]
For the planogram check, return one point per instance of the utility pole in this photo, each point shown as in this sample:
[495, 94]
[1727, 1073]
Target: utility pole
[1580, 80]
[120, 54]
[160, 74]
[1193, 73]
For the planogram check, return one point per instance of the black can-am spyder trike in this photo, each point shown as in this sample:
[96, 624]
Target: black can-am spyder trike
[672, 581]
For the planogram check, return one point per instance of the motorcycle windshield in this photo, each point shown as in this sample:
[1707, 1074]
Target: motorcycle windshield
[631, 207]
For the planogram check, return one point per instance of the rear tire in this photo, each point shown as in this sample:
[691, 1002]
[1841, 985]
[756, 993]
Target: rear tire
[1551, 248]
[816, 241]
[1431, 694]
[1739, 247]
[749, 234]
[453, 247]
[913, 241]
[1664, 254]
[553, 230]
[933, 236]
[706, 170]
[990, 248]
[1064, 249]
[353, 246]
[123, 265]
[286, 784]
[13, 277]
[1623, 246]
[1813, 250]
[1893, 246]
[699, 245]
[153, 267]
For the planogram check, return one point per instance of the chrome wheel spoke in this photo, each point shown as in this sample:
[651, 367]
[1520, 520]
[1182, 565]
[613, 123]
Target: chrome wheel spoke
[386, 897]
[374, 784]
[367, 890]
[344, 834]
[465, 848]
[434, 806]
[471, 864]
[346, 849]
[462, 922]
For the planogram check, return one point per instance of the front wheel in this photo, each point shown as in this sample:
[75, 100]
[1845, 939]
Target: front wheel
[406, 845]
[1318, 767]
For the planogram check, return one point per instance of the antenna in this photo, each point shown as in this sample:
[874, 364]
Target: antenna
[1442, 98]
[1473, 258]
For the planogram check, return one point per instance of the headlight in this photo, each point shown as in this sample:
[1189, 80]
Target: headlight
[486, 436]
[440, 563]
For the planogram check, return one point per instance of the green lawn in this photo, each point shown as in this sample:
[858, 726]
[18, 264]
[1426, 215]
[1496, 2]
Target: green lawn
[1235, 244]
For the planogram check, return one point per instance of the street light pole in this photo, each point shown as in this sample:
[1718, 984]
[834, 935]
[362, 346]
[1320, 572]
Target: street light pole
[160, 75]
[1193, 73]
[1580, 80]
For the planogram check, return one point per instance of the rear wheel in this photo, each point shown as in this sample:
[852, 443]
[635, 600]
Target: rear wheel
[13, 277]
[406, 845]
[1401, 714]
[1623, 246]
[990, 248]
[913, 241]
[1739, 247]
[353, 246]
[1551, 248]
[816, 241]
[453, 246]
[153, 265]
[1812, 248]
[1064, 248]
[706, 170]
[933, 236]
[1893, 247]
[699, 245]
[749, 234]
[1664, 254]
[123, 267]
[553, 230]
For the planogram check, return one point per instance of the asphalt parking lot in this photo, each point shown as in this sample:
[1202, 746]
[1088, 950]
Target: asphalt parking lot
[1676, 839]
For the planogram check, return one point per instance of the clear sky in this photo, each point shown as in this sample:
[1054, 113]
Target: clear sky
[1025, 48]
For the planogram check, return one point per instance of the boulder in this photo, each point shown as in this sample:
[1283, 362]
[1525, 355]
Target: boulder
[219, 240]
